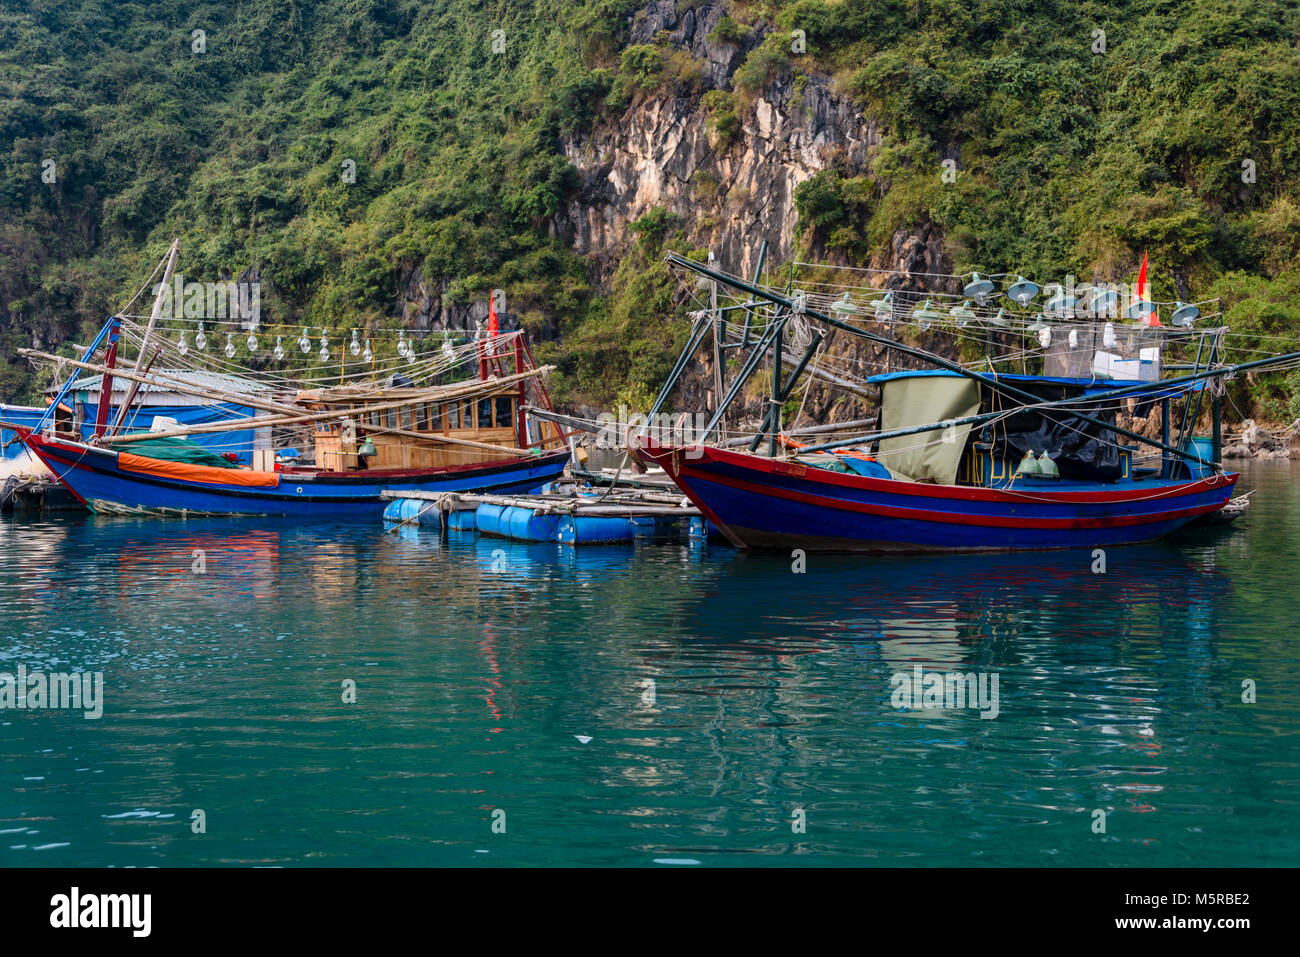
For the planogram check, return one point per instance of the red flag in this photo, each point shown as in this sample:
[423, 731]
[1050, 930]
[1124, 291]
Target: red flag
[1144, 292]
[492, 313]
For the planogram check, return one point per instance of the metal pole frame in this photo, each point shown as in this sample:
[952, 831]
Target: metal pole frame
[932, 358]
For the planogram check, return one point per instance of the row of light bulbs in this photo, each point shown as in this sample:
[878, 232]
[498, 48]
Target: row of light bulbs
[964, 315]
[926, 315]
[405, 347]
[982, 290]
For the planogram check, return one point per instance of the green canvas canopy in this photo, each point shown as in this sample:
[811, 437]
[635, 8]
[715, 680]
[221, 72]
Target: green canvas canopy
[908, 402]
[177, 449]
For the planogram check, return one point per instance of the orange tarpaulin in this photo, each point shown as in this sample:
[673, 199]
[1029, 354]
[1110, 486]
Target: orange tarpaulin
[186, 472]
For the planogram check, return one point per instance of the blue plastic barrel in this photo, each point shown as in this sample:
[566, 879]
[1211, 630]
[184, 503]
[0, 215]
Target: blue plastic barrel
[594, 530]
[488, 519]
[522, 524]
[1203, 447]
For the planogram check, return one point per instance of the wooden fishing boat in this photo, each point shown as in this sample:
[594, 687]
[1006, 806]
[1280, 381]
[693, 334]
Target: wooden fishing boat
[406, 439]
[757, 502]
[966, 459]
[465, 435]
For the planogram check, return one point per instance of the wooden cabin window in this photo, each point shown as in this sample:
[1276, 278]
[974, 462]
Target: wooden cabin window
[422, 418]
[485, 413]
[453, 415]
[505, 412]
[390, 417]
[408, 420]
[374, 418]
[435, 417]
[467, 414]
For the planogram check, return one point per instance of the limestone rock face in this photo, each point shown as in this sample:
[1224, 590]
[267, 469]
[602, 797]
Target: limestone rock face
[423, 308]
[730, 196]
[727, 195]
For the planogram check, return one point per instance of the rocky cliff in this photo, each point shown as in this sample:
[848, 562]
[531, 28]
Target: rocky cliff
[729, 196]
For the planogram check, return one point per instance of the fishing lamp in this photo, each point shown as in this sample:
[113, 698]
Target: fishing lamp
[1022, 291]
[979, 289]
[844, 305]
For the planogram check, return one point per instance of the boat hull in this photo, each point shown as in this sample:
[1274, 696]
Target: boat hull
[761, 503]
[101, 482]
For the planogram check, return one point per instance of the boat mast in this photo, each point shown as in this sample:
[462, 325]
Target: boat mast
[106, 382]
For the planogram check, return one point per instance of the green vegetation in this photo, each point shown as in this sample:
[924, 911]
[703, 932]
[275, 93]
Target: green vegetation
[1181, 138]
[728, 31]
[243, 151]
[724, 124]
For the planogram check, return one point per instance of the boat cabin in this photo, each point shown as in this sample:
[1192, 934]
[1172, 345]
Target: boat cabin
[993, 454]
[423, 431]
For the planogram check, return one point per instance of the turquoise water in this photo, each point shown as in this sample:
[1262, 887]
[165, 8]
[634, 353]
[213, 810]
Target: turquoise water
[478, 664]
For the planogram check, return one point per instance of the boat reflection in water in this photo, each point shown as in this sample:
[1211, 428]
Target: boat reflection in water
[716, 691]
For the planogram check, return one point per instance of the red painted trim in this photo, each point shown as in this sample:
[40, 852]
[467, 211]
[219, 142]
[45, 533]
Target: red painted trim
[663, 457]
[945, 518]
[47, 447]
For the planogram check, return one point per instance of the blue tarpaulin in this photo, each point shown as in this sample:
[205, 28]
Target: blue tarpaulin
[17, 415]
[239, 441]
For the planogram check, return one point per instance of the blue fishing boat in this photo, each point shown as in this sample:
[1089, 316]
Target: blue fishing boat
[113, 481]
[966, 458]
[470, 435]
[757, 502]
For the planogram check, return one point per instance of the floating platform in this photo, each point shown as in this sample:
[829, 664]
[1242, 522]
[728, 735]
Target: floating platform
[37, 493]
[572, 515]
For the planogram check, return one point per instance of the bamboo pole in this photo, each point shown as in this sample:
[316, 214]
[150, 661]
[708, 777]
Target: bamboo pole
[543, 505]
[865, 392]
[156, 312]
[497, 386]
[131, 393]
[185, 387]
[140, 368]
[176, 384]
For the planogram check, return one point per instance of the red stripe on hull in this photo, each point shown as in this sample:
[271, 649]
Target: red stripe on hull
[947, 518]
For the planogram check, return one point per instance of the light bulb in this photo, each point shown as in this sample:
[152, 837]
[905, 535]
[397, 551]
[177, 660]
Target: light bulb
[303, 342]
[181, 345]
[200, 340]
[251, 342]
[1045, 337]
[924, 315]
[447, 349]
[355, 345]
[324, 353]
[369, 354]
[1108, 336]
[279, 348]
[230, 346]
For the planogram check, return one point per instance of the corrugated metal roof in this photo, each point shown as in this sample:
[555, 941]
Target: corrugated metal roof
[211, 380]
